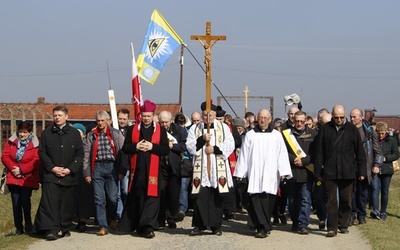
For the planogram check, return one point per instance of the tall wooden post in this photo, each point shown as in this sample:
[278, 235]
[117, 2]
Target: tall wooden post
[246, 99]
[210, 41]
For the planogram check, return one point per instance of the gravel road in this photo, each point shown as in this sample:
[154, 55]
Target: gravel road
[236, 235]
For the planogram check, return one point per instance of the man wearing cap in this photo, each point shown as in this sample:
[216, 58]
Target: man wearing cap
[145, 142]
[263, 160]
[100, 167]
[210, 142]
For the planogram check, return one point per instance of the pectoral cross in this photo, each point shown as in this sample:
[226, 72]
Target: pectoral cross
[210, 41]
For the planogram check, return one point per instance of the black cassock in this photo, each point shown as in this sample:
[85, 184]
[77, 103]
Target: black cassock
[207, 208]
[141, 210]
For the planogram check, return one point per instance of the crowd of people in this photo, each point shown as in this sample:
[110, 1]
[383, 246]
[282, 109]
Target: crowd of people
[132, 180]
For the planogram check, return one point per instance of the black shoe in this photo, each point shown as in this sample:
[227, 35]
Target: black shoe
[303, 231]
[375, 214]
[51, 235]
[18, 232]
[81, 227]
[362, 221]
[351, 220]
[28, 228]
[283, 219]
[331, 234]
[181, 216]
[161, 225]
[171, 223]
[195, 231]
[229, 216]
[275, 222]
[321, 225]
[216, 231]
[261, 233]
[148, 233]
[343, 230]
[66, 234]
[295, 228]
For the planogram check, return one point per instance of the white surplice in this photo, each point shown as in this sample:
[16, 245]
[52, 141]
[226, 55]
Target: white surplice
[263, 160]
[226, 145]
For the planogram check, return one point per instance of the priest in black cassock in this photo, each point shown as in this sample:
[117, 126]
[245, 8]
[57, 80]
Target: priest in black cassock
[210, 183]
[145, 142]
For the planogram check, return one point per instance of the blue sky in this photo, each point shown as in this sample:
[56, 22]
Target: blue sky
[328, 52]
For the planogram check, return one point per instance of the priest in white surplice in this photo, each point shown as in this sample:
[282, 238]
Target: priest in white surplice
[210, 185]
[263, 160]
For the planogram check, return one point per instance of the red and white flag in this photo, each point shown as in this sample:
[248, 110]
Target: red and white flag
[136, 89]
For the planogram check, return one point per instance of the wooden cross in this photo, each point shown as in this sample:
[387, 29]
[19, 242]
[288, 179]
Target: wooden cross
[246, 99]
[210, 41]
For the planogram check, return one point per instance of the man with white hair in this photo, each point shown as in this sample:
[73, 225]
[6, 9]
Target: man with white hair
[263, 160]
[170, 183]
[100, 167]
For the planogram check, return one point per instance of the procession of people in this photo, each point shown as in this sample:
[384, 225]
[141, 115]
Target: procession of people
[262, 168]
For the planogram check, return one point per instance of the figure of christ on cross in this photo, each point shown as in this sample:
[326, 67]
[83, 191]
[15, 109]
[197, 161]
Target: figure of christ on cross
[210, 41]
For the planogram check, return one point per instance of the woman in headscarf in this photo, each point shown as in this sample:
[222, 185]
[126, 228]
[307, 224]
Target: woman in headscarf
[20, 157]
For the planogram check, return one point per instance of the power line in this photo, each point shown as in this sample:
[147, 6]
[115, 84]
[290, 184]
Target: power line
[241, 70]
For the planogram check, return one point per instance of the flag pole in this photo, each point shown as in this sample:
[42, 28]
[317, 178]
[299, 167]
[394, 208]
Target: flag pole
[181, 75]
[136, 88]
[111, 99]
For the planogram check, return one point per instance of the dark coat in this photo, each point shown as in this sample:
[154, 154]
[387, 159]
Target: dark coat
[174, 157]
[344, 159]
[64, 149]
[305, 139]
[372, 149]
[391, 153]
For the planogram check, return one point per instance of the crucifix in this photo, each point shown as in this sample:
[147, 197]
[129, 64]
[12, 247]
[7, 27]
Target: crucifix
[210, 41]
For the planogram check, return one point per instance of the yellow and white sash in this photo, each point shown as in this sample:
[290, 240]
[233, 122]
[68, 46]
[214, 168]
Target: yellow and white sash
[294, 145]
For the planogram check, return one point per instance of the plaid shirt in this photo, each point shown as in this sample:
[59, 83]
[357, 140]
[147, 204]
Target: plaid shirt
[104, 152]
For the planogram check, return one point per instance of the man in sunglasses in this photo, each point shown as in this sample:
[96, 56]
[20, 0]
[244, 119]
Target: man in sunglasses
[339, 160]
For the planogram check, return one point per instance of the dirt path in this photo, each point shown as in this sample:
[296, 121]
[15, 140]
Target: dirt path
[236, 235]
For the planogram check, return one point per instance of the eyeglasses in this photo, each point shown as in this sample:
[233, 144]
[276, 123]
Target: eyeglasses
[298, 121]
[338, 117]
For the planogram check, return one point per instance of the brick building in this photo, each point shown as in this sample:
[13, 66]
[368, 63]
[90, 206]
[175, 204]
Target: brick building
[393, 121]
[41, 114]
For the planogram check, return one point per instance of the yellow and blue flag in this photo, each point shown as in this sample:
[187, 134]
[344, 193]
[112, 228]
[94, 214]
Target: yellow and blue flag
[159, 44]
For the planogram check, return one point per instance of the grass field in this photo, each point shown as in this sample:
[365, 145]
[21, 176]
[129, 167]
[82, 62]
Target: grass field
[381, 234]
